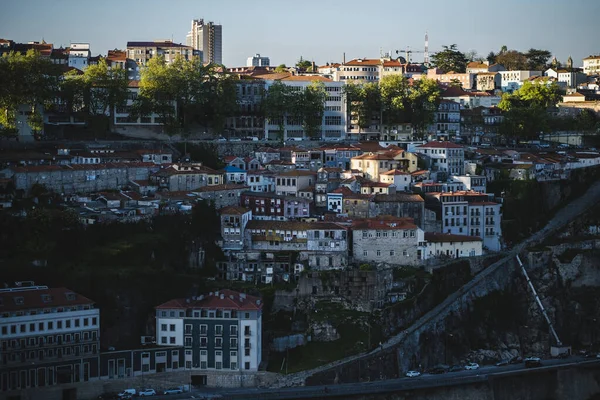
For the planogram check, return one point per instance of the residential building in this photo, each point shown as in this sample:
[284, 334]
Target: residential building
[79, 55]
[401, 205]
[470, 99]
[258, 61]
[444, 156]
[222, 195]
[513, 80]
[267, 154]
[447, 120]
[471, 213]
[362, 70]
[480, 124]
[357, 205]
[487, 81]
[340, 157]
[400, 179]
[466, 80]
[235, 175]
[186, 177]
[388, 240]
[248, 121]
[141, 52]
[48, 336]
[269, 206]
[207, 38]
[476, 183]
[322, 245]
[371, 165]
[568, 78]
[261, 181]
[122, 114]
[334, 119]
[291, 182]
[222, 330]
[591, 65]
[446, 245]
[233, 224]
[156, 156]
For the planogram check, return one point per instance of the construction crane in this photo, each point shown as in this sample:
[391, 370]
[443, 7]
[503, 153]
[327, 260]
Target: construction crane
[407, 53]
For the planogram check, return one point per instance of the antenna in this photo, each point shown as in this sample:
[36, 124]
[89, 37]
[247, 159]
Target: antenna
[426, 55]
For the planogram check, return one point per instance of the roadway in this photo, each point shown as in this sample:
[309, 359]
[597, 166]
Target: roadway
[425, 381]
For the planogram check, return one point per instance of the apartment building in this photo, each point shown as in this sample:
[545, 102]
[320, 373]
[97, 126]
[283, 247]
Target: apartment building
[473, 214]
[361, 70]
[513, 80]
[591, 65]
[270, 206]
[466, 80]
[447, 120]
[79, 55]
[185, 177]
[444, 156]
[219, 331]
[233, 224]
[290, 183]
[258, 61]
[387, 239]
[372, 165]
[333, 125]
[48, 336]
[141, 52]
[207, 40]
[446, 245]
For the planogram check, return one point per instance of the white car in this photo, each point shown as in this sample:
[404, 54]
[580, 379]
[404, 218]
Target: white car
[147, 392]
[173, 391]
[471, 366]
[413, 374]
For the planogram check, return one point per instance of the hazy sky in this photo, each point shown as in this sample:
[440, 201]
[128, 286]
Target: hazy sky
[319, 30]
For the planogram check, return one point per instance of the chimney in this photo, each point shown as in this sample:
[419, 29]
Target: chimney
[222, 296]
[344, 58]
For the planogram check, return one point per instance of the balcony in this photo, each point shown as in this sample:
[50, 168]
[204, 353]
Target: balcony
[247, 332]
[246, 345]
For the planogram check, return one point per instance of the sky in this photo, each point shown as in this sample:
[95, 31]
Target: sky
[317, 30]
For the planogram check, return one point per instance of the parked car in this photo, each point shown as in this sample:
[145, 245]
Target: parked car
[126, 394]
[472, 366]
[147, 392]
[235, 139]
[221, 139]
[413, 374]
[502, 363]
[173, 391]
[516, 360]
[532, 362]
[456, 368]
[439, 369]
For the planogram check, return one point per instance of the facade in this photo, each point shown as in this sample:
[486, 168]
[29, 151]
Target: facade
[402, 205]
[372, 165]
[334, 118]
[471, 213]
[444, 156]
[79, 55]
[568, 78]
[141, 52]
[476, 183]
[222, 195]
[591, 65]
[291, 182]
[261, 181]
[466, 80]
[339, 156]
[258, 61]
[221, 330]
[513, 80]
[447, 120]
[233, 224]
[207, 38]
[361, 70]
[388, 240]
[48, 336]
[269, 206]
[488, 81]
[186, 177]
[445, 245]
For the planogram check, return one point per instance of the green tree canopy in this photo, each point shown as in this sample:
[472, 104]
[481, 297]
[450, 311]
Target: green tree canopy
[313, 108]
[303, 64]
[537, 60]
[281, 68]
[450, 59]
[512, 60]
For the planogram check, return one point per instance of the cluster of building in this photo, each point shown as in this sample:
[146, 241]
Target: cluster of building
[51, 336]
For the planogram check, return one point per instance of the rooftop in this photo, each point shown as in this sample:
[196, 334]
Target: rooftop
[440, 145]
[34, 297]
[385, 222]
[224, 299]
[449, 238]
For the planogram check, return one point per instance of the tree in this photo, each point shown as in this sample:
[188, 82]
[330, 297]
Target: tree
[424, 99]
[108, 88]
[472, 55]
[491, 57]
[537, 59]
[277, 103]
[450, 59]
[312, 106]
[303, 64]
[281, 68]
[394, 92]
[587, 120]
[512, 60]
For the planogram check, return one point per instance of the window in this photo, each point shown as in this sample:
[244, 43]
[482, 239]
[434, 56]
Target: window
[163, 340]
[94, 321]
[233, 342]
[163, 327]
[86, 322]
[365, 253]
[58, 324]
[203, 341]
[218, 329]
[77, 323]
[172, 327]
[172, 340]
[218, 342]
[203, 329]
[378, 253]
[246, 365]
[392, 252]
[188, 341]
[68, 323]
[233, 330]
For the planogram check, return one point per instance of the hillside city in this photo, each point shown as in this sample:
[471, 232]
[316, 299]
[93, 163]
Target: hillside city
[175, 225]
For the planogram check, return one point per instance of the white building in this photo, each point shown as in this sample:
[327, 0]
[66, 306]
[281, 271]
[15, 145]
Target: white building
[261, 181]
[471, 213]
[445, 245]
[591, 65]
[208, 39]
[219, 331]
[565, 77]
[43, 331]
[79, 55]
[444, 156]
[387, 240]
[333, 126]
[400, 179]
[258, 61]
[513, 80]
[291, 182]
[476, 183]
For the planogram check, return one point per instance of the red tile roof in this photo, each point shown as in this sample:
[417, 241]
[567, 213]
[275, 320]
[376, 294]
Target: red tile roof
[440, 145]
[20, 299]
[233, 210]
[447, 237]
[217, 188]
[224, 299]
[363, 61]
[395, 172]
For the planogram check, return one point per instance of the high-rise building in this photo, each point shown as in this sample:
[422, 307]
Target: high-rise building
[207, 38]
[258, 61]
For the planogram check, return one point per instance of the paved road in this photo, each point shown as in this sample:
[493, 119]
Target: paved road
[387, 386]
[560, 219]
